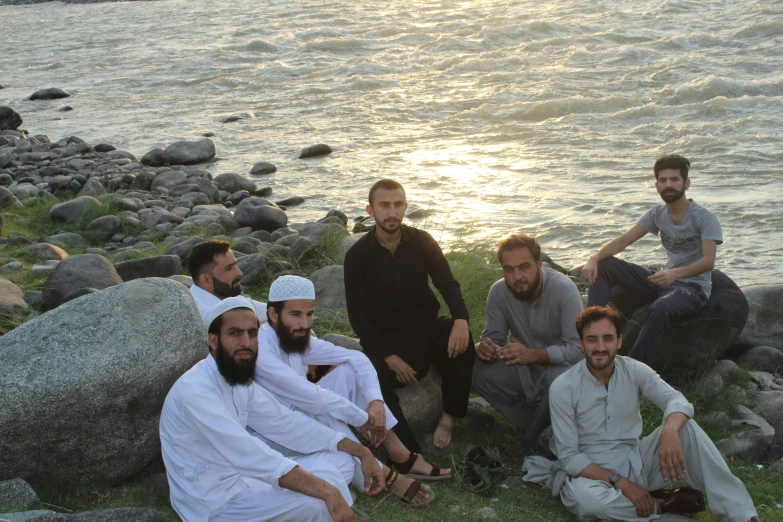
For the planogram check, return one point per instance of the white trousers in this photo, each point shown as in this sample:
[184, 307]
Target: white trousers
[706, 471]
[342, 381]
[259, 502]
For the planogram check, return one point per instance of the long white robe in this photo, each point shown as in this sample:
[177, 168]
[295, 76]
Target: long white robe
[206, 301]
[211, 459]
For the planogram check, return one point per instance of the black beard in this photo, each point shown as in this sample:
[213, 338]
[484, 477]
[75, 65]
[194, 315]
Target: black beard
[673, 198]
[526, 295]
[388, 230]
[290, 343]
[224, 290]
[235, 373]
[609, 361]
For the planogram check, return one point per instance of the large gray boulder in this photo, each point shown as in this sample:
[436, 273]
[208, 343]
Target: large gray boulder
[693, 343]
[9, 119]
[77, 209]
[17, 493]
[52, 93]
[13, 307]
[231, 183]
[83, 385]
[762, 358]
[77, 272]
[158, 266]
[260, 214]
[422, 403]
[765, 317]
[189, 152]
[183, 249]
[329, 284]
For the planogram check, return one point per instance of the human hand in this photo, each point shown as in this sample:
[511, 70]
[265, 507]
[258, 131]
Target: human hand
[590, 271]
[671, 460]
[663, 277]
[640, 497]
[338, 508]
[459, 337]
[404, 373]
[374, 430]
[517, 353]
[374, 479]
[487, 350]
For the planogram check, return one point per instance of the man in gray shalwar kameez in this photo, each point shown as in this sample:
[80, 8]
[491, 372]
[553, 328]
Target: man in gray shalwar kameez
[539, 307]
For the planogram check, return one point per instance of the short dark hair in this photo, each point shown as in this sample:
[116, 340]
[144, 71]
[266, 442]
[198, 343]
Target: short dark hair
[386, 184]
[515, 241]
[594, 314]
[217, 324]
[277, 305]
[672, 161]
[204, 254]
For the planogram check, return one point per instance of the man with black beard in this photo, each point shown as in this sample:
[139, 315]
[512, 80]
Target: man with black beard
[538, 307]
[349, 395]
[216, 276]
[689, 233]
[217, 470]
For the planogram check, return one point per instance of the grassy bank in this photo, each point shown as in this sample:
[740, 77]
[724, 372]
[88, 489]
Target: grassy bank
[476, 268]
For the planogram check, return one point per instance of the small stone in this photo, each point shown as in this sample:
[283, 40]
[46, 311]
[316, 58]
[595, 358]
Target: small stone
[13, 266]
[46, 251]
[65, 108]
[487, 513]
[263, 167]
[312, 151]
[235, 117]
[737, 394]
[762, 358]
[52, 93]
[290, 202]
[42, 269]
[17, 493]
[711, 382]
[752, 445]
[33, 298]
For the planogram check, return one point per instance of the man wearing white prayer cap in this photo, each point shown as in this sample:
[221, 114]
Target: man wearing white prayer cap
[349, 395]
[216, 276]
[217, 471]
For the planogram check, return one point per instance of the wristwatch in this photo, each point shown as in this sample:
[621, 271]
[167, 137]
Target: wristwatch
[613, 479]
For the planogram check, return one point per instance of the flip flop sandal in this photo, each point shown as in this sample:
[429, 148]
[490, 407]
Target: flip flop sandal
[481, 458]
[405, 467]
[410, 494]
[473, 478]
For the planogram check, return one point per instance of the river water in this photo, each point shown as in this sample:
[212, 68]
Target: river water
[497, 116]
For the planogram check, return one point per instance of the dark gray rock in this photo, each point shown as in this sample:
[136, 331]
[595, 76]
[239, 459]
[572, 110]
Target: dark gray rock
[290, 202]
[75, 210]
[422, 403]
[33, 297]
[262, 167]
[189, 152]
[81, 292]
[302, 250]
[283, 232]
[693, 343]
[154, 158]
[182, 250]
[770, 404]
[168, 180]
[39, 515]
[207, 187]
[765, 317]
[66, 240]
[344, 341]
[65, 108]
[74, 273]
[262, 192]
[260, 214]
[52, 93]
[8, 200]
[762, 358]
[253, 267]
[105, 226]
[9, 119]
[231, 183]
[320, 149]
[262, 235]
[17, 493]
[104, 147]
[92, 187]
[143, 180]
[158, 266]
[235, 117]
[246, 247]
[329, 285]
[753, 445]
[776, 452]
[156, 481]
[83, 385]
[237, 197]
[118, 515]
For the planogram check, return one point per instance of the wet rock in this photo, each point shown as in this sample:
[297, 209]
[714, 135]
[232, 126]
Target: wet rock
[75, 210]
[102, 366]
[262, 167]
[235, 117]
[74, 273]
[189, 152]
[231, 183]
[290, 202]
[65, 108]
[153, 158]
[312, 151]
[52, 93]
[9, 119]
[260, 214]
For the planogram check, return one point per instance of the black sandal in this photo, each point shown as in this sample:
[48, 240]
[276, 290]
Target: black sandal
[410, 493]
[479, 457]
[405, 467]
[473, 478]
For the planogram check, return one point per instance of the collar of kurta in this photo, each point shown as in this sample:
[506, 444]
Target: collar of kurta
[203, 295]
[373, 238]
[591, 377]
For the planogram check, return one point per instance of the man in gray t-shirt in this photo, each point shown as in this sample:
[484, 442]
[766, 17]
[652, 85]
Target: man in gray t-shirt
[539, 307]
[689, 233]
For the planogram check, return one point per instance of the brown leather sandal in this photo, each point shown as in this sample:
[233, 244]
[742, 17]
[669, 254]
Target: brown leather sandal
[410, 494]
[405, 467]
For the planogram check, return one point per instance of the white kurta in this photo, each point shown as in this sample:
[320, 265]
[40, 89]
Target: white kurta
[343, 394]
[211, 459]
[206, 301]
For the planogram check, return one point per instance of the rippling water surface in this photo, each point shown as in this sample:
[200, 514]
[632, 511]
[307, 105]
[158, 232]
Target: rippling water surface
[497, 116]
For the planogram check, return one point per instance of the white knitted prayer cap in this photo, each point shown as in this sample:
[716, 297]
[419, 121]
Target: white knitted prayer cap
[228, 304]
[290, 287]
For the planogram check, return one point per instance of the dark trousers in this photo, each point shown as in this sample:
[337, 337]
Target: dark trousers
[675, 300]
[423, 346]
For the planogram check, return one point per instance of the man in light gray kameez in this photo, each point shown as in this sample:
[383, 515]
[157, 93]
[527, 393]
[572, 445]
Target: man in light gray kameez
[539, 307]
[597, 429]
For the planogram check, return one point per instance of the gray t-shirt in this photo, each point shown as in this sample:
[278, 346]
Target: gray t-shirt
[682, 240]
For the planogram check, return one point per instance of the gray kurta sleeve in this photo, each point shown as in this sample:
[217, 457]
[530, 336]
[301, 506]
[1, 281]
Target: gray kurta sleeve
[495, 323]
[567, 352]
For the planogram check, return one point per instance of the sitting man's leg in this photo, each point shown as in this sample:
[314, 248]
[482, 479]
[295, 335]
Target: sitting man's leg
[388, 382]
[616, 272]
[675, 301]
[705, 470]
[596, 500]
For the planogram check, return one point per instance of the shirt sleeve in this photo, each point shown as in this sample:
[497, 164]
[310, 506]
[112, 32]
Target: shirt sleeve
[260, 310]
[241, 451]
[440, 272]
[565, 437]
[324, 352]
[291, 429]
[495, 323]
[710, 227]
[567, 352]
[654, 389]
[647, 222]
[358, 304]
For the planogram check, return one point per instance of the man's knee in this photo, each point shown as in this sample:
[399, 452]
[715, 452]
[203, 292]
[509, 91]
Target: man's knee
[487, 377]
[341, 379]
[591, 497]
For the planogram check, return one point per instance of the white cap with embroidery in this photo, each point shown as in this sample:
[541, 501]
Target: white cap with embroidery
[228, 304]
[290, 287]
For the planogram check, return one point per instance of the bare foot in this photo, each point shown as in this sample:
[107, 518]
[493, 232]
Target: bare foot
[422, 467]
[442, 436]
[401, 485]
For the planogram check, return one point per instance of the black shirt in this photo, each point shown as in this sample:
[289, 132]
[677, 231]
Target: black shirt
[389, 295]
